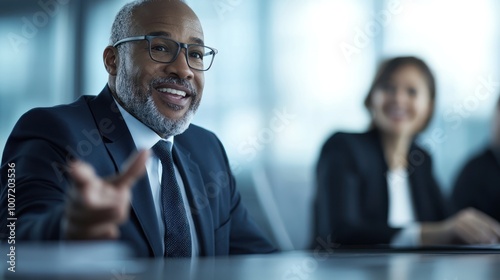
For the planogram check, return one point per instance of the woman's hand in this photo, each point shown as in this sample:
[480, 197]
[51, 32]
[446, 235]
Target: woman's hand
[469, 226]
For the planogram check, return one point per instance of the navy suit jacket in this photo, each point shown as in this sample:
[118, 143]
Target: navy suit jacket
[352, 201]
[478, 185]
[93, 130]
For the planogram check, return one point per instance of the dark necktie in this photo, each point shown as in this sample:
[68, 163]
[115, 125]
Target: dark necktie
[177, 234]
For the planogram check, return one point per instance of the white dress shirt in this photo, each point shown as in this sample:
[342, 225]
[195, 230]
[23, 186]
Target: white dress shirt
[145, 138]
[401, 213]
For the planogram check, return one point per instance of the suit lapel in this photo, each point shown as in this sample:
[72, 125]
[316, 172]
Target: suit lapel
[381, 176]
[120, 146]
[142, 199]
[199, 203]
[419, 191]
[374, 166]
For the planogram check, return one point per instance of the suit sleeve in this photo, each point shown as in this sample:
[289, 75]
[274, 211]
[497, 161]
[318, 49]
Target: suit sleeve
[339, 216]
[39, 180]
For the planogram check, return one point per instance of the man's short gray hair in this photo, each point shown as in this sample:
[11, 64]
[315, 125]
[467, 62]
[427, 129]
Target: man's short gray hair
[123, 20]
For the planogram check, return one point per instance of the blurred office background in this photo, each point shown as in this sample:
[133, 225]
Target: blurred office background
[289, 73]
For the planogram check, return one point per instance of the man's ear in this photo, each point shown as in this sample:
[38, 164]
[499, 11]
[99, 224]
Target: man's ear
[110, 58]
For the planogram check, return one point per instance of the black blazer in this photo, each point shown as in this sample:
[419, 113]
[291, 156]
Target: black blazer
[352, 204]
[93, 130]
[478, 185]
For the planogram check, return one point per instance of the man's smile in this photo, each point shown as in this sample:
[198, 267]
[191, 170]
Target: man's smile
[174, 94]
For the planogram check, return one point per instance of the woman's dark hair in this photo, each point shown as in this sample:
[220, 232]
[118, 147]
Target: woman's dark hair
[390, 66]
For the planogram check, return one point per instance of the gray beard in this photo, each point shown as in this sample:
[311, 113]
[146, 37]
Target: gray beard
[142, 106]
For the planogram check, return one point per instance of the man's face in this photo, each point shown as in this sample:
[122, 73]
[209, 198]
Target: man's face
[153, 91]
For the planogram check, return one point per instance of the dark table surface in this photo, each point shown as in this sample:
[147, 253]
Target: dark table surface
[111, 262]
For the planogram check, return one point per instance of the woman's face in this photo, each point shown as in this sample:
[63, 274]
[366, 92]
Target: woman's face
[402, 105]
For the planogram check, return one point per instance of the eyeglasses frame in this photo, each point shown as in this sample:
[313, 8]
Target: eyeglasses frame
[180, 45]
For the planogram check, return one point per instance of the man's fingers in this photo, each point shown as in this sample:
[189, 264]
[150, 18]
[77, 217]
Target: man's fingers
[82, 174]
[134, 168]
[79, 214]
[96, 206]
[95, 232]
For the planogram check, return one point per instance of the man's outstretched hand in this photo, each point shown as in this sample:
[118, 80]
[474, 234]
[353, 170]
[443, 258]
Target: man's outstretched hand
[97, 206]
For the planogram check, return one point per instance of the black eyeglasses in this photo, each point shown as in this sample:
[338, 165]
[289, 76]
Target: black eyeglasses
[166, 50]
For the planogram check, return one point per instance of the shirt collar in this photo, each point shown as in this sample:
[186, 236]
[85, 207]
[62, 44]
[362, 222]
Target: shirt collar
[143, 136]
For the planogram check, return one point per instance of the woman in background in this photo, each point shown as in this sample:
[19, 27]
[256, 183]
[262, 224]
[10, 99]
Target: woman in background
[377, 187]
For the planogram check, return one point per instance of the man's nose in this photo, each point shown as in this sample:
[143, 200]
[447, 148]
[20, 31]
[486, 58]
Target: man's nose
[180, 67]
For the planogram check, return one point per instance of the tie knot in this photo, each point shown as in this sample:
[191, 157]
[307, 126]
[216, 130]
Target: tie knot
[162, 150]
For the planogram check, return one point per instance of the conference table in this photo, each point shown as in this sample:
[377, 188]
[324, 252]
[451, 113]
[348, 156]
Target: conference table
[114, 262]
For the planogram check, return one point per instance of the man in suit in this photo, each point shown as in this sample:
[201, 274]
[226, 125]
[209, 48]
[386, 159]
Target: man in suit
[85, 171]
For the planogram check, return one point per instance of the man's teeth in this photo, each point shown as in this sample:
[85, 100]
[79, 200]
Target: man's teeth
[173, 91]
